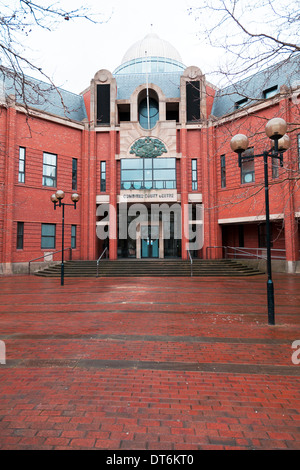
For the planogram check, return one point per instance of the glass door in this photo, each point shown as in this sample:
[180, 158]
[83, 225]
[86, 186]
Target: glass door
[150, 241]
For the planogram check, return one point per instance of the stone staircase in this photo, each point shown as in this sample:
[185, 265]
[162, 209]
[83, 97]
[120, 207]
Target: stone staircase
[151, 268]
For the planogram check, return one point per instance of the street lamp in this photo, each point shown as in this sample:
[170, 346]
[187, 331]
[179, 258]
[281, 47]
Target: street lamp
[276, 130]
[57, 200]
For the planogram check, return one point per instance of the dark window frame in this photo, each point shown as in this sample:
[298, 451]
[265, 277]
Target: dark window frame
[20, 235]
[74, 173]
[144, 182]
[193, 100]
[103, 176]
[241, 103]
[270, 92]
[22, 153]
[248, 157]
[73, 236]
[45, 237]
[223, 170]
[46, 177]
[194, 174]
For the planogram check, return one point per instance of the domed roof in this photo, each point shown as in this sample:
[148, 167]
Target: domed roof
[152, 46]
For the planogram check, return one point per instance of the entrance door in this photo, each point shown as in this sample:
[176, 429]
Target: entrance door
[150, 241]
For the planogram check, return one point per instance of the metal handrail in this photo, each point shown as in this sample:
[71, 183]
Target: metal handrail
[240, 251]
[52, 253]
[191, 259]
[208, 247]
[99, 259]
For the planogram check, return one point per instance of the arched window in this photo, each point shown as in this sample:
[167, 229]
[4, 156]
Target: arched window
[148, 110]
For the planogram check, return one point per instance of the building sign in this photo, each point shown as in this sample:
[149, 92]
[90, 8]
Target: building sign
[162, 195]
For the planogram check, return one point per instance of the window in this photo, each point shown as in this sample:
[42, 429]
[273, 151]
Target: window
[247, 168]
[103, 177]
[74, 174]
[49, 169]
[22, 157]
[223, 172]
[193, 101]
[153, 113]
[103, 105]
[73, 236]
[20, 235]
[269, 92]
[148, 173]
[241, 103]
[194, 176]
[48, 236]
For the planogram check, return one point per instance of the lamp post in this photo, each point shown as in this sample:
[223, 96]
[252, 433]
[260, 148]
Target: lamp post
[57, 200]
[276, 130]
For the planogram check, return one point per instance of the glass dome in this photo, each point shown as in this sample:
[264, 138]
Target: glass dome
[149, 55]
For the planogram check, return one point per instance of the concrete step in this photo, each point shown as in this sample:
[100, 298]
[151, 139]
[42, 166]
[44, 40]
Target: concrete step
[150, 268]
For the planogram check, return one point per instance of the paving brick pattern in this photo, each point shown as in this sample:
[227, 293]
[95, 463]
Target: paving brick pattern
[149, 363]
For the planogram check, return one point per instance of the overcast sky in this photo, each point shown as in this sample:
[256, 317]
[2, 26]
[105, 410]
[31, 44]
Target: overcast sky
[76, 50]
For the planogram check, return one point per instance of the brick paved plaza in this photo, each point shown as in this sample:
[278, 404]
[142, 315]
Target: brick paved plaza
[149, 363]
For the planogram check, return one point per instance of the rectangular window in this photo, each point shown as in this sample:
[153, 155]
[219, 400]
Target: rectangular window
[148, 173]
[241, 103]
[48, 236]
[20, 235]
[49, 169]
[247, 168]
[22, 158]
[194, 176]
[103, 177]
[74, 174]
[269, 92]
[103, 104]
[223, 172]
[193, 101]
[73, 236]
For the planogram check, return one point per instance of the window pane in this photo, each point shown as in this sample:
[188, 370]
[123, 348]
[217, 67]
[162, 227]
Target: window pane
[48, 230]
[164, 163]
[48, 242]
[132, 163]
[49, 171]
[164, 174]
[49, 182]
[132, 175]
[50, 159]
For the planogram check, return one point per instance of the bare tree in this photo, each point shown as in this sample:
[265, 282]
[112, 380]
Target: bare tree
[254, 34]
[18, 18]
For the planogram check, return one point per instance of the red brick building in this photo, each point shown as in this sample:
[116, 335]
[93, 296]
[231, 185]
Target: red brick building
[152, 132]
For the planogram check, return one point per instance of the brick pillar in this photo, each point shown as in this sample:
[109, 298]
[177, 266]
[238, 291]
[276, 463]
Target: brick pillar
[87, 203]
[92, 235]
[113, 239]
[290, 222]
[8, 196]
[212, 235]
[184, 195]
